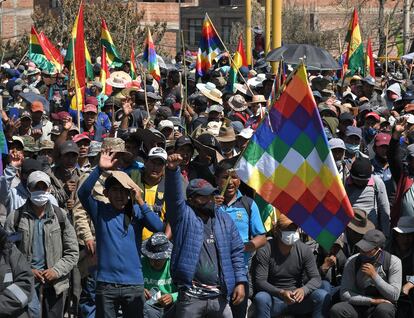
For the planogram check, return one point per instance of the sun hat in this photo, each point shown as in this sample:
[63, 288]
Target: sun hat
[157, 247]
[238, 103]
[360, 223]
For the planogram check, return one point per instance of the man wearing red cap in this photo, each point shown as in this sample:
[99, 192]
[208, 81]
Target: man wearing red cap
[41, 126]
[89, 126]
[380, 163]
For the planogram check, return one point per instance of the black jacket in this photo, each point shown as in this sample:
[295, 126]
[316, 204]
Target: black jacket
[16, 281]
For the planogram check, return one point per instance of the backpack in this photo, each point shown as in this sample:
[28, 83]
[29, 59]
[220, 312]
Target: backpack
[247, 205]
[58, 212]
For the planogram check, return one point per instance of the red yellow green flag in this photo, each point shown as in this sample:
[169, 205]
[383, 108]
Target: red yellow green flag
[111, 51]
[38, 52]
[354, 61]
[133, 65]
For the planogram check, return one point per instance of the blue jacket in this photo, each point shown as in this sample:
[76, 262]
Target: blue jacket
[188, 231]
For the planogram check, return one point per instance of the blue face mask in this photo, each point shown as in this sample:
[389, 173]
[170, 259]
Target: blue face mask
[371, 131]
[352, 149]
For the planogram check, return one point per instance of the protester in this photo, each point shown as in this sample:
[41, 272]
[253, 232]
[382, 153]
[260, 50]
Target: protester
[371, 283]
[207, 257]
[245, 214]
[157, 277]
[209, 118]
[118, 227]
[48, 242]
[16, 277]
[279, 268]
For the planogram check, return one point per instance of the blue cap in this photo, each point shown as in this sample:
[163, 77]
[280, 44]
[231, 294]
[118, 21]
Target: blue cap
[200, 187]
[353, 131]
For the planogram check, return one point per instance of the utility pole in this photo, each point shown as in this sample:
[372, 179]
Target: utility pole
[406, 31]
[249, 31]
[268, 13]
[276, 28]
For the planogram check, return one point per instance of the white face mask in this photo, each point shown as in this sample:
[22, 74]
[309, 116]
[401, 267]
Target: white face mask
[39, 198]
[289, 237]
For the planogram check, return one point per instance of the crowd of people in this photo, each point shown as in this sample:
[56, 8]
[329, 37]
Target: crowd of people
[132, 206]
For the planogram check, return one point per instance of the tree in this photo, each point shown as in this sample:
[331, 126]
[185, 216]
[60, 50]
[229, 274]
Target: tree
[122, 18]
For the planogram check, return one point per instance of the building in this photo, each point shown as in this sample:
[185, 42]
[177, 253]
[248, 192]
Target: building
[15, 17]
[324, 15]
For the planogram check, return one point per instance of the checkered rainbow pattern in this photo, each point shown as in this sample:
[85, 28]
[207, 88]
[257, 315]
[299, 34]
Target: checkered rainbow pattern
[289, 164]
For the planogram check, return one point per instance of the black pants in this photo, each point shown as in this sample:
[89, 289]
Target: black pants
[111, 297]
[346, 310]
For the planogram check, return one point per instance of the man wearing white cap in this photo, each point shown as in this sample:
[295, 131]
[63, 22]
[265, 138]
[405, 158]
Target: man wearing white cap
[49, 243]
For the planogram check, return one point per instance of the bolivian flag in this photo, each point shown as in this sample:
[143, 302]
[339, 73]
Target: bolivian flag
[106, 41]
[37, 52]
[354, 62]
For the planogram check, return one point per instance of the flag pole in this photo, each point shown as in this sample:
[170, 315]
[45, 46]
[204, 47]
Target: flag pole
[21, 60]
[231, 59]
[183, 92]
[75, 80]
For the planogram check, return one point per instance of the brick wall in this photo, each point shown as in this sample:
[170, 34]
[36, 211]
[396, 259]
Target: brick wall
[15, 18]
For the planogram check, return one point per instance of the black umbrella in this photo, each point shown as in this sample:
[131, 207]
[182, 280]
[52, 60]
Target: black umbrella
[30, 97]
[315, 58]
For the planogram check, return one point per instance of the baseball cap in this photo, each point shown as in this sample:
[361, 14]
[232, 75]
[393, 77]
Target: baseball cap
[336, 143]
[372, 239]
[165, 124]
[215, 108]
[353, 131]
[164, 112]
[18, 139]
[26, 114]
[382, 139]
[36, 177]
[182, 141]
[157, 153]
[30, 165]
[200, 187]
[37, 106]
[405, 225]
[80, 137]
[373, 114]
[346, 116]
[90, 108]
[56, 130]
[92, 99]
[369, 80]
[361, 169]
[69, 146]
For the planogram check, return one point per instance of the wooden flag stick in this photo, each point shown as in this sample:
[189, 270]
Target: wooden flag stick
[21, 60]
